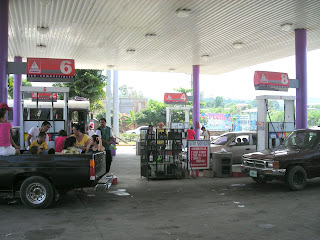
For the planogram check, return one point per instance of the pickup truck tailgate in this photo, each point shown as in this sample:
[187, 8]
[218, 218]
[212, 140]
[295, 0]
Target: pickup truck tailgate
[100, 164]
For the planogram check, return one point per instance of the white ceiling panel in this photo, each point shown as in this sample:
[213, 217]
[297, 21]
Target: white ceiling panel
[98, 33]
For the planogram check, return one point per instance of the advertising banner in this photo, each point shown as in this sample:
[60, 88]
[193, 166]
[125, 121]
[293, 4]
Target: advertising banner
[245, 122]
[199, 154]
[216, 121]
[50, 70]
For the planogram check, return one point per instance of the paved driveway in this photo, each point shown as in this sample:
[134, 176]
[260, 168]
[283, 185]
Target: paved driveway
[202, 208]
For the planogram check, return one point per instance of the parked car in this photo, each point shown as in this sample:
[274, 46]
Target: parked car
[137, 130]
[40, 179]
[238, 143]
[293, 162]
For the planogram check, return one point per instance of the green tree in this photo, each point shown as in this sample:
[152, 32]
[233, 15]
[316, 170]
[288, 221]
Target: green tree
[88, 83]
[154, 113]
[131, 120]
[219, 102]
[10, 85]
[183, 90]
[129, 92]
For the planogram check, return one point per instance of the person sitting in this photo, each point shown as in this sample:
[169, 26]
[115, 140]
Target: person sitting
[34, 150]
[82, 139]
[41, 143]
[238, 141]
[70, 146]
[245, 141]
[34, 133]
[59, 141]
[5, 140]
[95, 145]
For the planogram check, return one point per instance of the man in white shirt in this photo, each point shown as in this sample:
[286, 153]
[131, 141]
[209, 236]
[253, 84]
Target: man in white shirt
[205, 133]
[34, 132]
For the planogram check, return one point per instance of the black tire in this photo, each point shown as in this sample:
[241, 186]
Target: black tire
[296, 178]
[36, 192]
[259, 180]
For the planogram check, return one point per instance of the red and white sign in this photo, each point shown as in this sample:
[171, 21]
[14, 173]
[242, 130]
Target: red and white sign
[175, 97]
[199, 154]
[274, 81]
[50, 69]
[44, 97]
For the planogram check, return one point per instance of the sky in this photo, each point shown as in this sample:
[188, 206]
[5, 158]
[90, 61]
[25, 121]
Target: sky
[235, 85]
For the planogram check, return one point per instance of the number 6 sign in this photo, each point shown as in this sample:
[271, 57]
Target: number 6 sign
[50, 70]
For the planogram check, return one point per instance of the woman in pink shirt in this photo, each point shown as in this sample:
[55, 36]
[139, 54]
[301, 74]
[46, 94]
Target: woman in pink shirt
[5, 137]
[59, 141]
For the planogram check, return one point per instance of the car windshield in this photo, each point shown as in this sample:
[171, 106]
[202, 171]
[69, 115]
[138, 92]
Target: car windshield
[301, 139]
[223, 139]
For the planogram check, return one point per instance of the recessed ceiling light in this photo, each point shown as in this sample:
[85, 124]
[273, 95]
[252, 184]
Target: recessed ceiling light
[131, 51]
[151, 36]
[45, 2]
[41, 46]
[183, 12]
[287, 27]
[205, 56]
[171, 69]
[238, 45]
[43, 30]
[110, 66]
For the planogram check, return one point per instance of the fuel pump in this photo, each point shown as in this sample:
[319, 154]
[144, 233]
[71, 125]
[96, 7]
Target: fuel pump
[271, 134]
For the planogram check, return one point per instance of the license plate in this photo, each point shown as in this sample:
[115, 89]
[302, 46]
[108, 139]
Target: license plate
[253, 173]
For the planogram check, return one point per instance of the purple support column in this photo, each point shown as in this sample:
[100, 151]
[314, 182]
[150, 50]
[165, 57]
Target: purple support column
[196, 100]
[4, 29]
[301, 74]
[16, 95]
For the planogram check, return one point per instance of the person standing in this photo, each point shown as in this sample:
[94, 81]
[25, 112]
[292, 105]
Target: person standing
[205, 133]
[90, 131]
[34, 132]
[191, 134]
[105, 133]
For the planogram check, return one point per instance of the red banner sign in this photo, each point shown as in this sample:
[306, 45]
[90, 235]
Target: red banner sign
[199, 154]
[50, 69]
[175, 98]
[274, 81]
[44, 97]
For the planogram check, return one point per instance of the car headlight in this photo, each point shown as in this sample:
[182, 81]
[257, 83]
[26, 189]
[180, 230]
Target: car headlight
[270, 164]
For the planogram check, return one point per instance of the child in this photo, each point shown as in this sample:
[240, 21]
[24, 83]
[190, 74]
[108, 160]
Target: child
[34, 150]
[5, 140]
[70, 146]
[40, 142]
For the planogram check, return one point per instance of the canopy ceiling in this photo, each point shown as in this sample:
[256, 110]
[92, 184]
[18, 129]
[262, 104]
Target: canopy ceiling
[99, 34]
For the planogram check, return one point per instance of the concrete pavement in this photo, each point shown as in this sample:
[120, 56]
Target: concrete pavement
[202, 208]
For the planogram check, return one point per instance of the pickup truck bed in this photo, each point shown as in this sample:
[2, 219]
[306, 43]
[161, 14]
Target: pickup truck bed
[50, 175]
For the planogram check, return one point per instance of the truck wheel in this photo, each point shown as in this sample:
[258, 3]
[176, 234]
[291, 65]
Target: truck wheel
[36, 192]
[297, 178]
[259, 180]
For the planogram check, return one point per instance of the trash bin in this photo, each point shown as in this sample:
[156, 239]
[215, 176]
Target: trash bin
[222, 164]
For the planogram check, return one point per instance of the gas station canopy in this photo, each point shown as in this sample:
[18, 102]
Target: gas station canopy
[161, 35]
